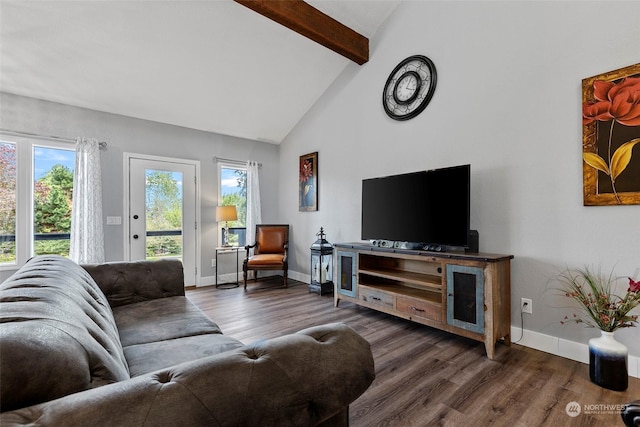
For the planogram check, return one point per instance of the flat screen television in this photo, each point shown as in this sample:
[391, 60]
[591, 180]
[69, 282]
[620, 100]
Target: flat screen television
[428, 207]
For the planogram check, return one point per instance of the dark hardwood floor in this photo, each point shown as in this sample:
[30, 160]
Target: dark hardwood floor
[425, 377]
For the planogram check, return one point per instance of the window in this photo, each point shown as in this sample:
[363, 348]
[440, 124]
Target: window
[233, 191]
[35, 199]
[7, 202]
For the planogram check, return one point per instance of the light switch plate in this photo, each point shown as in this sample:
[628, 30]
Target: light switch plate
[114, 220]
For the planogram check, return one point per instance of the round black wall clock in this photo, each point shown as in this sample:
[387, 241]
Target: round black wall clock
[409, 88]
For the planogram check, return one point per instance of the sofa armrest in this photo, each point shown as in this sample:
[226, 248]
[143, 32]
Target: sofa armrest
[631, 414]
[136, 281]
[300, 379]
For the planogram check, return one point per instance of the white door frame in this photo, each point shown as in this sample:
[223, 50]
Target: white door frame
[127, 221]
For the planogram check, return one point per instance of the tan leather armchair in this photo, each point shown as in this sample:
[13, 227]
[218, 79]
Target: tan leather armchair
[269, 251]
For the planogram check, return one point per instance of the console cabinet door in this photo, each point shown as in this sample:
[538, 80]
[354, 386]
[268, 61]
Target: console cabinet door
[465, 297]
[346, 284]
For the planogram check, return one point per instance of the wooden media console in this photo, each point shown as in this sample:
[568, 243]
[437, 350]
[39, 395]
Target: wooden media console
[468, 294]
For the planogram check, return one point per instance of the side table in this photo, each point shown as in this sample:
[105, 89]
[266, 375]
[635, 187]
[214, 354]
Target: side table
[226, 250]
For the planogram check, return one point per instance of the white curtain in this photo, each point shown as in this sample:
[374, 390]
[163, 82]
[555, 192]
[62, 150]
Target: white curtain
[254, 211]
[87, 236]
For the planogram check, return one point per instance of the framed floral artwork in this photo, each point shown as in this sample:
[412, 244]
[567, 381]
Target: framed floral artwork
[308, 183]
[611, 137]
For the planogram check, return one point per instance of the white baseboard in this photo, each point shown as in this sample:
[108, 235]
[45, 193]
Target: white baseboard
[300, 277]
[222, 279]
[206, 281]
[563, 348]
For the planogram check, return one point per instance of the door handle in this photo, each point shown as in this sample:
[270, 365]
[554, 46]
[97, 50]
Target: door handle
[135, 236]
[135, 217]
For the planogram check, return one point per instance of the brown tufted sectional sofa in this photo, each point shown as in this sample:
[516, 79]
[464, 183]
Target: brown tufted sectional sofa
[119, 344]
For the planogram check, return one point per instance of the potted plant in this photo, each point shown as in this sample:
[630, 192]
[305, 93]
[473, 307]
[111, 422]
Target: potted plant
[601, 307]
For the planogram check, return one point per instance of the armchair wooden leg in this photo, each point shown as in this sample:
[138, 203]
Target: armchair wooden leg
[244, 275]
[285, 278]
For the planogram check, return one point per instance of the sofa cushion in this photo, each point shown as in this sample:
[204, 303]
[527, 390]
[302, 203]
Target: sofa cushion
[145, 358]
[160, 320]
[129, 282]
[58, 334]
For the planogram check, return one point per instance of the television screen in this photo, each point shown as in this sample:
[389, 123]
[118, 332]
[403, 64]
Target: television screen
[430, 207]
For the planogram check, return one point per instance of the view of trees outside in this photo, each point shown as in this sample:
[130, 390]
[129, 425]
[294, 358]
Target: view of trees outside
[7, 202]
[233, 186]
[52, 200]
[164, 214]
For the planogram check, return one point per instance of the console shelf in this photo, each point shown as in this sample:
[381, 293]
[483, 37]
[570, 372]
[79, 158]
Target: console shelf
[418, 279]
[465, 294]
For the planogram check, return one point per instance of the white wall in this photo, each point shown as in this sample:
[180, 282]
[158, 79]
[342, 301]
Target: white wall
[508, 102]
[126, 134]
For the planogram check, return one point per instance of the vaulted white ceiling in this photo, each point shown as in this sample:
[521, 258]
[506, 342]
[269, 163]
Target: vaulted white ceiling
[211, 65]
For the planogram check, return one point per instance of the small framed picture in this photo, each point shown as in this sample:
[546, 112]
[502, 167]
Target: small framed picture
[308, 183]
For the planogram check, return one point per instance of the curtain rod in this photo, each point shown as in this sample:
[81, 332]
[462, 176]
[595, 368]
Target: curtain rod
[240, 162]
[50, 137]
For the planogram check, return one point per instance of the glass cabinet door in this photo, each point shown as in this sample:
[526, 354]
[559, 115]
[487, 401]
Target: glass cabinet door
[465, 297]
[346, 283]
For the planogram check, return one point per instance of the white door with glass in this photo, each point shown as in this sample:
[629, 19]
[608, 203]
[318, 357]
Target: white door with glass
[162, 212]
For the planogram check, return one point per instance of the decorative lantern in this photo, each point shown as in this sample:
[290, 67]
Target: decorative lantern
[321, 265]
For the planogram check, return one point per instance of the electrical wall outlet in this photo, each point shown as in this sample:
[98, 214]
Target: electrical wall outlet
[213, 262]
[526, 306]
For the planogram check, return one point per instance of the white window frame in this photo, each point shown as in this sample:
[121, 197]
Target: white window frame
[24, 194]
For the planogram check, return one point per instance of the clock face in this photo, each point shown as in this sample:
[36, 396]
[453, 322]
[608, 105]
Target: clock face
[409, 88]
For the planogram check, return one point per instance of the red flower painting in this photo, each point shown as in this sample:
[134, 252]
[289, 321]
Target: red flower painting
[615, 102]
[619, 102]
[306, 171]
[308, 183]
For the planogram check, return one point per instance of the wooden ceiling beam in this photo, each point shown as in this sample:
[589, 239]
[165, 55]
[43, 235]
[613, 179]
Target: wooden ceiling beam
[315, 25]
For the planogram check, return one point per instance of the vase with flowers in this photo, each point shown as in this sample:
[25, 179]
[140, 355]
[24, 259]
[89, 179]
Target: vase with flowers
[601, 307]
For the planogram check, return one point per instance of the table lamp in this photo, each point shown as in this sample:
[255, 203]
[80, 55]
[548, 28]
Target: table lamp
[226, 214]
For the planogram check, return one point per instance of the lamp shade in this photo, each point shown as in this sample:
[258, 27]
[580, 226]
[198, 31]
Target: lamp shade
[226, 213]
